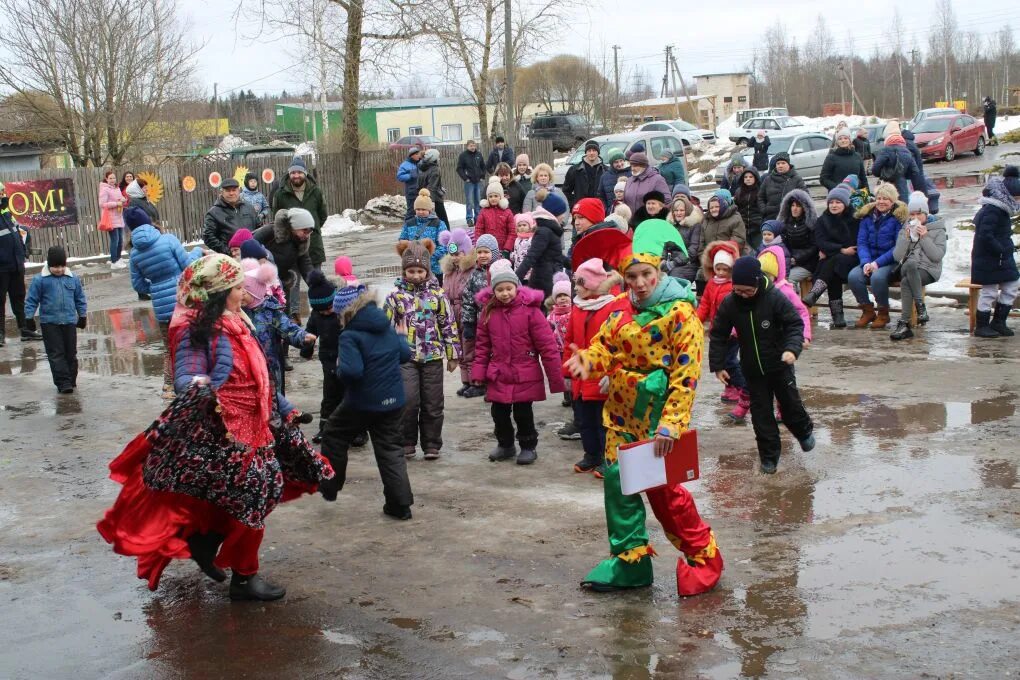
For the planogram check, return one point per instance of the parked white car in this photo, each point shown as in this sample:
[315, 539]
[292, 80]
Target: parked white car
[688, 133]
[807, 153]
[655, 144]
[774, 126]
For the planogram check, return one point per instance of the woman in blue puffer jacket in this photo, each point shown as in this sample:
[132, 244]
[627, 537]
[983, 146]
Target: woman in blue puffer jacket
[157, 261]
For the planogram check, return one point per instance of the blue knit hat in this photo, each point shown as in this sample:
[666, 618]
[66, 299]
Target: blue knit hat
[346, 296]
[253, 249]
[772, 226]
[724, 197]
[321, 291]
[746, 271]
[297, 165]
[488, 241]
[841, 193]
[135, 217]
[554, 203]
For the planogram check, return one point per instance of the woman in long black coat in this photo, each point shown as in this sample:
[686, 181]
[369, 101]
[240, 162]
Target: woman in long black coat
[993, 258]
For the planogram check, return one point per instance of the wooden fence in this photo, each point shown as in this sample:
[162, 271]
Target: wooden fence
[183, 213]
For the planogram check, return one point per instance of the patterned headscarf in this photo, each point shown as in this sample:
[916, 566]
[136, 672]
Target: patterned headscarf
[205, 276]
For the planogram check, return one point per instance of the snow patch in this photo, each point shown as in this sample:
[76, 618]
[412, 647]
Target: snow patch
[956, 263]
[457, 212]
[1004, 124]
[344, 223]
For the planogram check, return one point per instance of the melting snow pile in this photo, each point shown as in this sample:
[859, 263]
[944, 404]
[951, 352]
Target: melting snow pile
[344, 223]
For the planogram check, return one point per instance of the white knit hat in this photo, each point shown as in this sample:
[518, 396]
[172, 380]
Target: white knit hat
[917, 203]
[722, 256]
[495, 187]
[621, 185]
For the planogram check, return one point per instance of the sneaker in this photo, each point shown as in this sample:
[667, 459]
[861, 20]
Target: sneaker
[807, 443]
[585, 465]
[409, 452]
[730, 394]
[527, 456]
[431, 454]
[600, 471]
[474, 391]
[569, 432]
[768, 467]
[464, 388]
[119, 264]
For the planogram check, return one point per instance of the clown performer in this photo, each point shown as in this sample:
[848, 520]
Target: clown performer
[650, 349]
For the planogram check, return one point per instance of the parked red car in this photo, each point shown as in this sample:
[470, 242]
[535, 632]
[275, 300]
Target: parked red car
[947, 136]
[421, 141]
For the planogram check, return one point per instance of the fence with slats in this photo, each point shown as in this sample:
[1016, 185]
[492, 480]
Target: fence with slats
[183, 213]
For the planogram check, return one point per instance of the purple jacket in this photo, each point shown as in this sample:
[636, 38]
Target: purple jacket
[637, 187]
[431, 327]
[513, 345]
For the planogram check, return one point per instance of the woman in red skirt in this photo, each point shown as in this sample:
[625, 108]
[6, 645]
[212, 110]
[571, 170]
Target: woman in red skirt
[201, 480]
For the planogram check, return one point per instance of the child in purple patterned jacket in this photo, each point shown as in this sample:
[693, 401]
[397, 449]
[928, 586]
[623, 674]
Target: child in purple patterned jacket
[419, 308]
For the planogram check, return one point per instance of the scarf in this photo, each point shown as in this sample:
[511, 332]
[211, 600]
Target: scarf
[593, 304]
[668, 291]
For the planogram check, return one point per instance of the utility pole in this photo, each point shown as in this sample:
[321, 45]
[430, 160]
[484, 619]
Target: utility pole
[842, 94]
[676, 101]
[511, 117]
[913, 62]
[216, 107]
[842, 77]
[687, 94]
[616, 81]
[665, 76]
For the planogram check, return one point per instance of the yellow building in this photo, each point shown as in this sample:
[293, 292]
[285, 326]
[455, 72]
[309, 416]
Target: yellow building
[724, 93]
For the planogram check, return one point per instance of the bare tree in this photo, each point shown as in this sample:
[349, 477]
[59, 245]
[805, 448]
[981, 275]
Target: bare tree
[942, 39]
[1005, 48]
[470, 32]
[98, 72]
[897, 31]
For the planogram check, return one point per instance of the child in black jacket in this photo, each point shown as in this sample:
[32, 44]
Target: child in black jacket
[771, 336]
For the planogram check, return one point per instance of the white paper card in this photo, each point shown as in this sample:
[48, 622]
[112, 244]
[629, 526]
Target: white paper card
[640, 469]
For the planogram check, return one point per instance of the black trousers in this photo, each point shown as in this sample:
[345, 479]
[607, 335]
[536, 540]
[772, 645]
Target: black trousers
[61, 343]
[12, 284]
[782, 387]
[524, 416]
[834, 271]
[423, 410]
[332, 394]
[588, 419]
[441, 213]
[384, 429]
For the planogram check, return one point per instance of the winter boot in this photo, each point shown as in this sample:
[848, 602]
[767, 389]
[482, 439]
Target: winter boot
[401, 512]
[254, 587]
[739, 412]
[882, 319]
[836, 310]
[527, 456]
[28, 331]
[902, 331]
[999, 320]
[867, 315]
[203, 549]
[3, 334]
[984, 328]
[502, 453]
[410, 452]
[730, 394]
[807, 443]
[432, 454]
[922, 312]
[474, 391]
[464, 388]
[569, 431]
[817, 289]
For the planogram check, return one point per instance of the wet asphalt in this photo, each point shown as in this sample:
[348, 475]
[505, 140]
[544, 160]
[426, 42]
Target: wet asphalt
[891, 551]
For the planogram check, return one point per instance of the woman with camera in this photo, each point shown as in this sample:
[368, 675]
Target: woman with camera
[920, 247]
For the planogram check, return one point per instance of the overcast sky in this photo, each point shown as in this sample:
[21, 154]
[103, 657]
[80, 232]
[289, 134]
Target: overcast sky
[706, 39]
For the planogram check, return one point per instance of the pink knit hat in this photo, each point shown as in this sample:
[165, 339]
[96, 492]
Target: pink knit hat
[258, 280]
[591, 274]
[561, 285]
[345, 270]
[525, 217]
[239, 237]
[522, 158]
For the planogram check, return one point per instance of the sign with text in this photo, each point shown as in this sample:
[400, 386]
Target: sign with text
[40, 203]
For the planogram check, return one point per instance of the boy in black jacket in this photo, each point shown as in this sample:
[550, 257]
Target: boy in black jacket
[771, 336]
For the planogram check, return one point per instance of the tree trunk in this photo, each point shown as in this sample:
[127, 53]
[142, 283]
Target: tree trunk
[903, 106]
[349, 137]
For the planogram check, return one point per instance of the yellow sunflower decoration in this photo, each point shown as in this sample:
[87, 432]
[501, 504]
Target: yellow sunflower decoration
[154, 186]
[239, 174]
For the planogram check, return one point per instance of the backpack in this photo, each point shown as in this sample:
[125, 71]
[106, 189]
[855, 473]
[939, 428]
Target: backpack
[891, 172]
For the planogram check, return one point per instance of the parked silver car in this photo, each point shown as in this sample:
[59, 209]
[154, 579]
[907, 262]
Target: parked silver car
[689, 133]
[774, 126]
[807, 153]
[656, 143]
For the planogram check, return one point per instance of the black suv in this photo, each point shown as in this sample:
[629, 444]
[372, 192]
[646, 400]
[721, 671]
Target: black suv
[564, 130]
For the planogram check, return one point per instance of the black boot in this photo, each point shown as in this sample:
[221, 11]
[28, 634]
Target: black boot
[254, 587]
[3, 334]
[502, 453]
[402, 512]
[999, 320]
[922, 312]
[902, 331]
[984, 328]
[203, 549]
[836, 309]
[819, 287]
[28, 331]
[359, 440]
[527, 456]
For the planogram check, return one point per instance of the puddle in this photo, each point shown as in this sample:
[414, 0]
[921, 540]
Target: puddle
[999, 474]
[339, 638]
[976, 179]
[406, 623]
[939, 562]
[122, 341]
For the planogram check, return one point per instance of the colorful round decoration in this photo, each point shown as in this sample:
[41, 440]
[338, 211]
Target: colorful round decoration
[188, 183]
[153, 186]
[268, 176]
[215, 179]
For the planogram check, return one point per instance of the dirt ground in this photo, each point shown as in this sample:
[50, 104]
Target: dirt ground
[891, 551]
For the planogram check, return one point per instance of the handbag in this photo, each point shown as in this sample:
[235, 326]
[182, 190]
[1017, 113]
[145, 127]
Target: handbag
[106, 220]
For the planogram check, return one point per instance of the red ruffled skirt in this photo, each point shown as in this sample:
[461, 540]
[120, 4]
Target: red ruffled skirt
[154, 526]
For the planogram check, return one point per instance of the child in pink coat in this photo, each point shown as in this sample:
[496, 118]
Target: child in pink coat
[496, 218]
[513, 346]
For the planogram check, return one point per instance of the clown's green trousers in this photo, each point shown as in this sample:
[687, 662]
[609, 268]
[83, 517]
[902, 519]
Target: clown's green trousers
[699, 567]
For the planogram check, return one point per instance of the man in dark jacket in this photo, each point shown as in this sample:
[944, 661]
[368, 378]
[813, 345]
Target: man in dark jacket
[471, 170]
[781, 180]
[228, 214]
[501, 153]
[288, 239]
[407, 174]
[12, 272]
[301, 191]
[771, 336]
[584, 179]
[895, 164]
[607, 185]
[843, 161]
[430, 178]
[991, 111]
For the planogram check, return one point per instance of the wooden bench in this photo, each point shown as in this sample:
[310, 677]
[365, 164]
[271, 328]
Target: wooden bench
[973, 289]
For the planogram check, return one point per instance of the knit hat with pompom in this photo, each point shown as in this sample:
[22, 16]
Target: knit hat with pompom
[257, 280]
[321, 291]
[561, 285]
